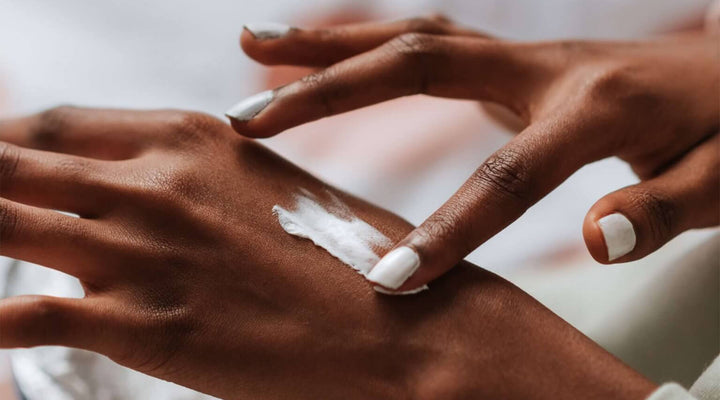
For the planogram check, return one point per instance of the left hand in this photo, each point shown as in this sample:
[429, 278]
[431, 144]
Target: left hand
[654, 104]
[188, 277]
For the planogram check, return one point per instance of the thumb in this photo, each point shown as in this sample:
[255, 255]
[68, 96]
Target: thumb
[497, 193]
[635, 221]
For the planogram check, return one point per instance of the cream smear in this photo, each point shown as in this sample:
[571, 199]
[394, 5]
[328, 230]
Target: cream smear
[336, 229]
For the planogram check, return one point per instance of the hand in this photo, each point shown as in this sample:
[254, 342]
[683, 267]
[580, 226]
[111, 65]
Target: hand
[189, 277]
[654, 104]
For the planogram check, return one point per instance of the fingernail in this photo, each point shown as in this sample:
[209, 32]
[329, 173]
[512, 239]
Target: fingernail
[250, 107]
[618, 233]
[382, 290]
[395, 268]
[267, 30]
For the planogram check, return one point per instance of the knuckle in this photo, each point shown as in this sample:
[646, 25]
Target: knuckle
[182, 183]
[50, 125]
[414, 44]
[9, 221]
[75, 169]
[169, 188]
[190, 126]
[167, 326]
[324, 88]
[624, 87]
[9, 159]
[44, 309]
[44, 320]
[609, 80]
[506, 174]
[660, 211]
[417, 53]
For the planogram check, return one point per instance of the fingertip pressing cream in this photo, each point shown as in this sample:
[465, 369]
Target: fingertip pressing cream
[336, 229]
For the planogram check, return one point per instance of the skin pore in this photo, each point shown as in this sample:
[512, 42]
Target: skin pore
[190, 278]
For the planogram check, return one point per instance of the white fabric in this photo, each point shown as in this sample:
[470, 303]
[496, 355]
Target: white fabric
[707, 387]
[671, 391]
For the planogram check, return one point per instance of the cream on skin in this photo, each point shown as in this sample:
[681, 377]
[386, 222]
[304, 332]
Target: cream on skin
[336, 229]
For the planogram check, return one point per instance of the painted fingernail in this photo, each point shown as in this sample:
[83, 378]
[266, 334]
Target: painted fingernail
[267, 30]
[382, 290]
[250, 107]
[619, 235]
[395, 268]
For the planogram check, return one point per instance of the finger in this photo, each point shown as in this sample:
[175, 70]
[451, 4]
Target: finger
[635, 221]
[96, 133]
[274, 44]
[455, 67]
[30, 321]
[499, 192]
[52, 180]
[52, 239]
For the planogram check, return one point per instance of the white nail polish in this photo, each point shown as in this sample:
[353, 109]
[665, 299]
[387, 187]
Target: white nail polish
[267, 30]
[250, 107]
[395, 268]
[382, 290]
[619, 235]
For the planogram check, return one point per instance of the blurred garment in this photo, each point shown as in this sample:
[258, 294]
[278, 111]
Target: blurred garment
[707, 387]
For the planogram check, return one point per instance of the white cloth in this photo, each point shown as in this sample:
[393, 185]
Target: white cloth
[707, 387]
[671, 391]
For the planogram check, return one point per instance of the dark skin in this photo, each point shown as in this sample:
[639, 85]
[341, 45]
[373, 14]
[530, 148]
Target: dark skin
[653, 104]
[189, 277]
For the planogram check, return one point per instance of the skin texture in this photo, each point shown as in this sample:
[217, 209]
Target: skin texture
[189, 277]
[654, 104]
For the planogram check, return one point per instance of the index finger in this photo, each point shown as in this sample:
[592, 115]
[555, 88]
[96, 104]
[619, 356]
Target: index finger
[274, 44]
[498, 192]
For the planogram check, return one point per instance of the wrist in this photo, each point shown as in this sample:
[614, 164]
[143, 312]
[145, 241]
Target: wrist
[498, 342]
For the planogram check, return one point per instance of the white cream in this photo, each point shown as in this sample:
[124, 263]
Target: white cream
[337, 230]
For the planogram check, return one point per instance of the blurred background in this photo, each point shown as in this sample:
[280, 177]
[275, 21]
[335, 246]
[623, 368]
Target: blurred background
[661, 315]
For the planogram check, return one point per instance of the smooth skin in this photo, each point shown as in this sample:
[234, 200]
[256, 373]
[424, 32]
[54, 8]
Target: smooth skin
[655, 104]
[189, 277]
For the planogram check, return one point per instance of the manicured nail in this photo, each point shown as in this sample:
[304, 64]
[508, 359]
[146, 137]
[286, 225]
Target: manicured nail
[395, 268]
[618, 233]
[382, 290]
[267, 30]
[250, 107]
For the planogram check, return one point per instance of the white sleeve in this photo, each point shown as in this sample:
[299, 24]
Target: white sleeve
[671, 391]
[707, 387]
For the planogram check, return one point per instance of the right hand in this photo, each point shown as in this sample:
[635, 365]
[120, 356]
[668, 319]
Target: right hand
[654, 104]
[188, 277]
